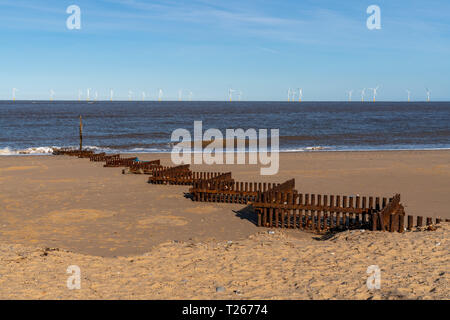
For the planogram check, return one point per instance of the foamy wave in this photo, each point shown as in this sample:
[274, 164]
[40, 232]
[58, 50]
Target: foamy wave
[303, 149]
[316, 148]
[36, 150]
[41, 150]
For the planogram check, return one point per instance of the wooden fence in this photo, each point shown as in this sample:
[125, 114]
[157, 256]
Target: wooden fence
[164, 175]
[139, 167]
[119, 162]
[102, 157]
[188, 178]
[419, 224]
[73, 152]
[85, 154]
[320, 213]
[276, 205]
[391, 217]
[234, 191]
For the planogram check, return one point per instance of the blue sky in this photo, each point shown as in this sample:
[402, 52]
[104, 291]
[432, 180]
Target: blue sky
[261, 47]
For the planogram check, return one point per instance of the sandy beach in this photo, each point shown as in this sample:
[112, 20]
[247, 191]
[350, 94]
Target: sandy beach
[135, 240]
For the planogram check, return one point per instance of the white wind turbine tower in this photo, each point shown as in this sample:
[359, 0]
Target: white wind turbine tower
[130, 95]
[409, 94]
[293, 93]
[14, 90]
[52, 94]
[375, 92]
[300, 94]
[230, 94]
[428, 94]
[79, 95]
[190, 95]
[350, 95]
[111, 94]
[363, 94]
[289, 94]
[180, 94]
[88, 92]
[160, 94]
[143, 95]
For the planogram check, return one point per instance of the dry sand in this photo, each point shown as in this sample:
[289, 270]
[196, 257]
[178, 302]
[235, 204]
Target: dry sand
[414, 265]
[121, 232]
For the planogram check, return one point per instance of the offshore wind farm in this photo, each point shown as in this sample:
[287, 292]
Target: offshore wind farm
[293, 95]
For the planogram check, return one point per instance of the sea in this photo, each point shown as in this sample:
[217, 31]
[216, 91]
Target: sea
[36, 127]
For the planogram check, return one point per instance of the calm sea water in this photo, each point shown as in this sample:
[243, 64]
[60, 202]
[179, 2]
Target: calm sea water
[35, 127]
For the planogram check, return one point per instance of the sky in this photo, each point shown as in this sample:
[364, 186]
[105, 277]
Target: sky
[259, 47]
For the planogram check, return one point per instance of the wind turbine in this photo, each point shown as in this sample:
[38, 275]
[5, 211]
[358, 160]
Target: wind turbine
[190, 95]
[300, 94]
[79, 95]
[130, 95]
[350, 95]
[143, 95]
[52, 94]
[289, 94]
[363, 92]
[88, 94]
[239, 95]
[111, 94]
[293, 93]
[230, 94]
[180, 94]
[428, 94]
[409, 94]
[375, 92]
[14, 90]
[160, 94]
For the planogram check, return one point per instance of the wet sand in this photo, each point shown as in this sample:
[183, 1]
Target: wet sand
[179, 248]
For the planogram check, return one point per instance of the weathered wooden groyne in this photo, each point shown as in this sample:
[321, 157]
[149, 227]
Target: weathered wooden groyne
[276, 205]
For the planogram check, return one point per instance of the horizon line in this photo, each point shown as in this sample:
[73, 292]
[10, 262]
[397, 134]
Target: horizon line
[234, 101]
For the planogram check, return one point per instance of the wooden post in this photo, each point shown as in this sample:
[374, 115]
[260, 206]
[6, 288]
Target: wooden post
[429, 221]
[265, 217]
[271, 216]
[319, 212]
[374, 221]
[338, 214]
[438, 220]
[401, 223]
[410, 222]
[419, 221]
[313, 212]
[300, 211]
[81, 133]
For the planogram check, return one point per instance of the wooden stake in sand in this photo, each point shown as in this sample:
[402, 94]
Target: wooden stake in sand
[81, 134]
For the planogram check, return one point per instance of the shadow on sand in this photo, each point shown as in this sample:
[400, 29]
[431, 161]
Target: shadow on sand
[247, 213]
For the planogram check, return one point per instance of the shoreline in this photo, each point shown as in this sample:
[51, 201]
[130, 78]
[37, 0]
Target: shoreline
[128, 152]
